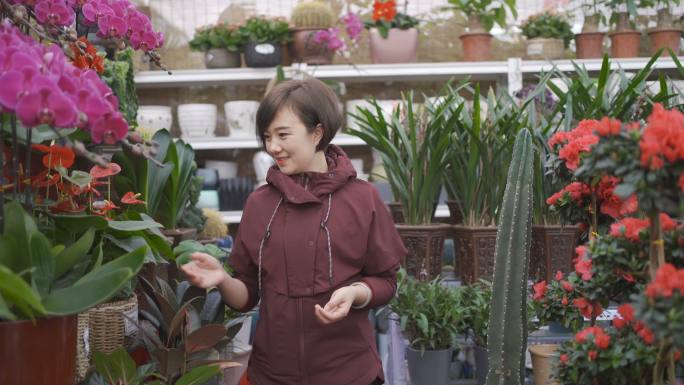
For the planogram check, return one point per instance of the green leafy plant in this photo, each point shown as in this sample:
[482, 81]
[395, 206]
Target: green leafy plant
[483, 14]
[193, 216]
[414, 148]
[475, 305]
[429, 313]
[39, 279]
[226, 36]
[265, 30]
[548, 25]
[183, 251]
[119, 76]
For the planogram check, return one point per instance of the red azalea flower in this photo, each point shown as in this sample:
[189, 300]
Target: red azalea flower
[564, 358]
[56, 155]
[663, 138]
[646, 334]
[619, 323]
[588, 308]
[668, 279]
[540, 290]
[103, 172]
[677, 355]
[385, 10]
[559, 275]
[583, 268]
[131, 198]
[629, 228]
[567, 286]
[559, 137]
[564, 301]
[626, 311]
[607, 127]
[602, 340]
[667, 223]
[593, 355]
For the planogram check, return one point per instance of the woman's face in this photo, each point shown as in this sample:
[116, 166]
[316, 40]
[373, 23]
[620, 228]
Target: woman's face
[290, 144]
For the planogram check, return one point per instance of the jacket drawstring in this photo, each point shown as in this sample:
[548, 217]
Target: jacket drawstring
[324, 226]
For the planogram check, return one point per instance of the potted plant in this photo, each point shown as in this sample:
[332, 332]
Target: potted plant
[548, 35]
[481, 15]
[264, 39]
[309, 18]
[665, 34]
[589, 42]
[393, 35]
[221, 45]
[475, 304]
[429, 315]
[624, 39]
[414, 146]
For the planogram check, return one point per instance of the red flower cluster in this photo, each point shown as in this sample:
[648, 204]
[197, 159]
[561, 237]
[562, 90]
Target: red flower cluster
[626, 318]
[612, 204]
[630, 228]
[576, 191]
[85, 56]
[582, 263]
[663, 139]
[589, 309]
[575, 142]
[540, 289]
[668, 279]
[385, 10]
[601, 339]
[607, 127]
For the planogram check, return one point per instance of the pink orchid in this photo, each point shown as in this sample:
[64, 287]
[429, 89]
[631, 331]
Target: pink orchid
[109, 128]
[54, 12]
[45, 104]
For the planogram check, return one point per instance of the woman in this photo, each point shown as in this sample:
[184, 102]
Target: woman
[315, 245]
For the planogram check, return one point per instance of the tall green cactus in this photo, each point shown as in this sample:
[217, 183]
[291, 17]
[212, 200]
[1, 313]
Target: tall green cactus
[507, 335]
[312, 14]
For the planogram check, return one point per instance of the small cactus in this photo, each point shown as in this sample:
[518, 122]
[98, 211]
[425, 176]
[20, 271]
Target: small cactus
[312, 14]
[214, 226]
[507, 334]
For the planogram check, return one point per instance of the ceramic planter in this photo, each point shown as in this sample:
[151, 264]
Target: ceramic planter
[306, 50]
[259, 55]
[154, 118]
[241, 118]
[541, 48]
[225, 169]
[624, 44]
[475, 252]
[400, 46]
[477, 46]
[43, 353]
[665, 38]
[552, 250]
[197, 120]
[428, 367]
[222, 58]
[589, 45]
[543, 357]
[425, 245]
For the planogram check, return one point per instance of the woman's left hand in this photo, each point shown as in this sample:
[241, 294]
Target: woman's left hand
[338, 306]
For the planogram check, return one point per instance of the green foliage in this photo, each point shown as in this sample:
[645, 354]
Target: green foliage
[312, 14]
[193, 217]
[400, 21]
[489, 12]
[119, 76]
[260, 29]
[223, 35]
[183, 251]
[414, 148]
[40, 279]
[548, 25]
[475, 305]
[507, 336]
[429, 313]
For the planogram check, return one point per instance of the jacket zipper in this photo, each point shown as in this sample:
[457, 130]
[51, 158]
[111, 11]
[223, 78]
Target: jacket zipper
[300, 333]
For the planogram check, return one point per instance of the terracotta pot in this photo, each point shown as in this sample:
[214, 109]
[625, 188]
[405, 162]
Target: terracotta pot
[543, 356]
[553, 249]
[589, 45]
[455, 214]
[40, 354]
[475, 252]
[665, 38]
[425, 245]
[306, 50]
[541, 48]
[624, 44]
[477, 46]
[400, 46]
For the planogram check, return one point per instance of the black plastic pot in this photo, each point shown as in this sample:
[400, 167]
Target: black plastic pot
[259, 55]
[428, 367]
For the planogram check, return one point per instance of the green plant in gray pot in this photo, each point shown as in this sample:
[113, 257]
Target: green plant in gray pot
[264, 39]
[429, 316]
[414, 145]
[221, 43]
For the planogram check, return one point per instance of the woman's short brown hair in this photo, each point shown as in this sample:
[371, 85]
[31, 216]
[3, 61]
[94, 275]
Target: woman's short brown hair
[311, 100]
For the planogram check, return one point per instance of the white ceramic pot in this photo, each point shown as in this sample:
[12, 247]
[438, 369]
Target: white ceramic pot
[226, 170]
[261, 162]
[154, 118]
[241, 118]
[197, 120]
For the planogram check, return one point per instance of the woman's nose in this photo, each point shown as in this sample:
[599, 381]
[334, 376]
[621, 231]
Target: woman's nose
[273, 147]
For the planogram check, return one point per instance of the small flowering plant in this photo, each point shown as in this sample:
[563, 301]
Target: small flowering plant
[553, 301]
[385, 17]
[333, 40]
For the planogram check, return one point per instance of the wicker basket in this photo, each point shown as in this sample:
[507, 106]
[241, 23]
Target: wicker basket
[108, 330]
[82, 351]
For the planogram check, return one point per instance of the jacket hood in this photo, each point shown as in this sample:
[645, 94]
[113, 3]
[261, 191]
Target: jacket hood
[340, 171]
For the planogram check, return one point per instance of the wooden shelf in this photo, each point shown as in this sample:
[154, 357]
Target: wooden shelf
[221, 143]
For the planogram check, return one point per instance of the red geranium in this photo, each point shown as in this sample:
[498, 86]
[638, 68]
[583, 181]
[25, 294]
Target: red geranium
[663, 138]
[385, 10]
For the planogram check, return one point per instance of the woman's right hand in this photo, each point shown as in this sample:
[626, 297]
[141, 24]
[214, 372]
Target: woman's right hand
[204, 271]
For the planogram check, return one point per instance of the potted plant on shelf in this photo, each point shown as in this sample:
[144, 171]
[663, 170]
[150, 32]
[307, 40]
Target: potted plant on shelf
[481, 15]
[393, 35]
[589, 42]
[414, 146]
[309, 18]
[430, 316]
[666, 33]
[221, 44]
[624, 39]
[548, 35]
[264, 38]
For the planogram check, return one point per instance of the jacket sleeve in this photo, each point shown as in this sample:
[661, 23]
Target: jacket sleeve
[384, 251]
[243, 267]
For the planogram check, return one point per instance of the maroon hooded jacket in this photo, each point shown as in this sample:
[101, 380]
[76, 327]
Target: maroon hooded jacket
[291, 346]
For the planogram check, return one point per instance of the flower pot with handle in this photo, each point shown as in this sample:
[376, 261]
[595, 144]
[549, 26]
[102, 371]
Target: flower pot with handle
[400, 46]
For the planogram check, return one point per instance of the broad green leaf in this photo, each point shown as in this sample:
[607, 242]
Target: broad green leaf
[133, 225]
[74, 253]
[199, 375]
[116, 367]
[5, 312]
[79, 223]
[8, 253]
[44, 262]
[19, 226]
[39, 134]
[132, 261]
[16, 291]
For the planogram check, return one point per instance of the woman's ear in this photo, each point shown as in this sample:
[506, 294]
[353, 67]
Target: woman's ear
[318, 133]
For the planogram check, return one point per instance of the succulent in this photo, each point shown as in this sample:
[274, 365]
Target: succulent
[312, 14]
[214, 226]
